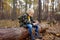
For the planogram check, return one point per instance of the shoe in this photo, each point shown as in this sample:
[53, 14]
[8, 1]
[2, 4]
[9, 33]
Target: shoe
[37, 39]
[33, 39]
[40, 37]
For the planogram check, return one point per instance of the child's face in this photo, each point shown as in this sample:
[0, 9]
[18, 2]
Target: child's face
[31, 14]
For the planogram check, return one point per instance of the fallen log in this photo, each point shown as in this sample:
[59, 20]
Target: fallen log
[15, 33]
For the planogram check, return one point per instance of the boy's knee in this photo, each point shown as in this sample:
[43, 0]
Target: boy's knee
[29, 25]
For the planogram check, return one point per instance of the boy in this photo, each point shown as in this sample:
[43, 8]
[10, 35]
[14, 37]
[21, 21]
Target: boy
[27, 21]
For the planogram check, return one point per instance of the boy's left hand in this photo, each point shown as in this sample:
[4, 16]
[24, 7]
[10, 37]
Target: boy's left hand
[36, 23]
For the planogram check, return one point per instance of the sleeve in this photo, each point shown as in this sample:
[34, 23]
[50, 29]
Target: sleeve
[32, 20]
[20, 19]
[23, 18]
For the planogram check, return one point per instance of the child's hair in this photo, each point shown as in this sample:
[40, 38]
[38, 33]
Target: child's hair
[30, 10]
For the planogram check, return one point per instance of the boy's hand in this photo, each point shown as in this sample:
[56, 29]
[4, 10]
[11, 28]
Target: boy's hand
[34, 23]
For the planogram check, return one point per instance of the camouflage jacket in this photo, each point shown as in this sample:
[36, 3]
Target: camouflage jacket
[25, 19]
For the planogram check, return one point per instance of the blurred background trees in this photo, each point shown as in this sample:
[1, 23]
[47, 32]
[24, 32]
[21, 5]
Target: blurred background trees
[11, 9]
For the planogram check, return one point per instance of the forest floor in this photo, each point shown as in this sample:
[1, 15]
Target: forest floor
[9, 23]
[52, 33]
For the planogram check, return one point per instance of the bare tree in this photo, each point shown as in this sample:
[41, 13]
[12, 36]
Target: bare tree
[0, 8]
[14, 15]
[30, 4]
[39, 13]
[26, 6]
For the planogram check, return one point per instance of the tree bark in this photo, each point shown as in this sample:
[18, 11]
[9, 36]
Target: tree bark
[14, 33]
[39, 14]
[14, 14]
[26, 6]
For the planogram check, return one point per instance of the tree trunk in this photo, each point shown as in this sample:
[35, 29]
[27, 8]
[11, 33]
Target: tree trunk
[39, 14]
[30, 4]
[14, 14]
[26, 6]
[15, 33]
[0, 8]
